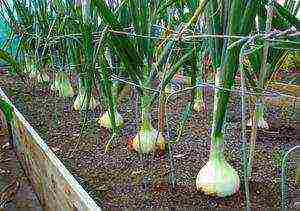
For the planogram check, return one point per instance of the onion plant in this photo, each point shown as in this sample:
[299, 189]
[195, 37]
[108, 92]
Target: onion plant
[76, 36]
[217, 177]
[266, 60]
[140, 64]
[105, 120]
[237, 18]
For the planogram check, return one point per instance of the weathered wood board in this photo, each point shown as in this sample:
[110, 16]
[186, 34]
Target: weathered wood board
[54, 185]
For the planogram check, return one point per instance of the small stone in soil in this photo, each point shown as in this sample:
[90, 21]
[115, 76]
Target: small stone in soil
[179, 155]
[76, 134]
[5, 146]
[212, 203]
[4, 172]
[102, 188]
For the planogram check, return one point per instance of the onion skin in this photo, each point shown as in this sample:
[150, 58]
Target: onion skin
[62, 85]
[55, 85]
[145, 142]
[169, 89]
[217, 177]
[80, 103]
[35, 72]
[104, 120]
[148, 139]
[65, 89]
[259, 115]
[39, 76]
[43, 77]
[199, 106]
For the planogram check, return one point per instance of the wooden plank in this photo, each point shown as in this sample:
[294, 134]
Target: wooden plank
[54, 185]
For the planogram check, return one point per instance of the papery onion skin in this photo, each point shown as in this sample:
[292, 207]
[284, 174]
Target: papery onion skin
[55, 84]
[62, 85]
[148, 139]
[80, 103]
[259, 115]
[65, 87]
[104, 120]
[39, 76]
[169, 89]
[217, 177]
[43, 77]
[199, 106]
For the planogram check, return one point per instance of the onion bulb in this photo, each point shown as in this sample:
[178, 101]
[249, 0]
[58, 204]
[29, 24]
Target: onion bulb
[80, 103]
[38, 75]
[148, 139]
[217, 177]
[199, 104]
[55, 84]
[104, 120]
[259, 116]
[169, 89]
[62, 85]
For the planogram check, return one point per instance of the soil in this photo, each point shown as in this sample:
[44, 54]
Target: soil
[122, 178]
[16, 193]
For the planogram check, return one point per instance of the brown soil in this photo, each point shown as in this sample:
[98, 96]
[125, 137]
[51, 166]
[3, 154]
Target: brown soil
[16, 194]
[122, 178]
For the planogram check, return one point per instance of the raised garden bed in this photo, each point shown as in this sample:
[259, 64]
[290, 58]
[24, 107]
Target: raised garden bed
[16, 192]
[55, 186]
[122, 178]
